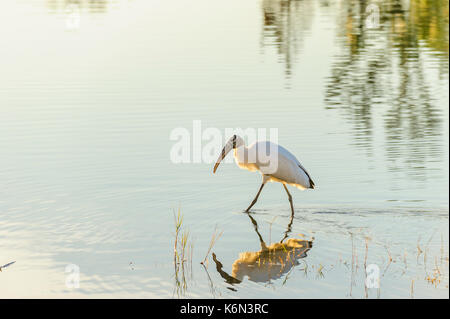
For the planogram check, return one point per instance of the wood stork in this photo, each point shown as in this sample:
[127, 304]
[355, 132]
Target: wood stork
[277, 165]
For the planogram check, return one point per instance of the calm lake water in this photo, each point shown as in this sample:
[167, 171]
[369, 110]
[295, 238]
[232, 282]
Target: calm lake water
[90, 92]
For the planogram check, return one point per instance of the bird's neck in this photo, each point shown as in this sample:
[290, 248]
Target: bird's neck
[245, 158]
[240, 154]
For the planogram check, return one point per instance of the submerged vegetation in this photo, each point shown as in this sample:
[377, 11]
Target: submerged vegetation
[6, 265]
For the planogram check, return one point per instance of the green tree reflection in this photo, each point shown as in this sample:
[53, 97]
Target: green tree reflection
[384, 77]
[383, 70]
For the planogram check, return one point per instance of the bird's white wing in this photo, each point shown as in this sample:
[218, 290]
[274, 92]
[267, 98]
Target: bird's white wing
[291, 157]
[288, 170]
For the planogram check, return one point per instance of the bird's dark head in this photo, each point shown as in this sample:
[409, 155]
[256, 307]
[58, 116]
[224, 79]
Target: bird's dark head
[234, 142]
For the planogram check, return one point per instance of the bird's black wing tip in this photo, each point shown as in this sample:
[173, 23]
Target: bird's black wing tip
[311, 184]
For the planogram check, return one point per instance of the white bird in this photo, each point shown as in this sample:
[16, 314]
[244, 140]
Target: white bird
[277, 165]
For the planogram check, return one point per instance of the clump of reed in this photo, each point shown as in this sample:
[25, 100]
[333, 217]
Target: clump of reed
[183, 251]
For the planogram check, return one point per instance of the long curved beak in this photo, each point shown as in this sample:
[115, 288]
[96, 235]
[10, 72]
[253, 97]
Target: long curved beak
[228, 147]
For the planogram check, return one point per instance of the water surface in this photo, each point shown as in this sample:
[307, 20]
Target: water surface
[91, 90]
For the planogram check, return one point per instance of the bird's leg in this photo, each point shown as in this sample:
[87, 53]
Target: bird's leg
[261, 240]
[256, 198]
[290, 199]
[289, 228]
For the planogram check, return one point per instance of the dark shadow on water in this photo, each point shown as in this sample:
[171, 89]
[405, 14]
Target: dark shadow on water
[271, 262]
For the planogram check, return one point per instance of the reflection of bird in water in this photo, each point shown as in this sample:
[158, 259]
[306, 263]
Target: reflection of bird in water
[269, 263]
[274, 162]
